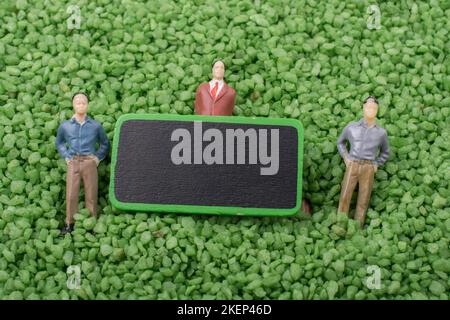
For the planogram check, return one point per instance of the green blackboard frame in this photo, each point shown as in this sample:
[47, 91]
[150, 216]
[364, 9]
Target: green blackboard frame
[196, 209]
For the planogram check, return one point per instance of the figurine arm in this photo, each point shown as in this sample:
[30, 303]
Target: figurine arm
[234, 101]
[60, 143]
[104, 144]
[342, 148]
[385, 151]
[197, 101]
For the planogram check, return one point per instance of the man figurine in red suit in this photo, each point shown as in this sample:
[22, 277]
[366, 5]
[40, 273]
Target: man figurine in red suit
[215, 98]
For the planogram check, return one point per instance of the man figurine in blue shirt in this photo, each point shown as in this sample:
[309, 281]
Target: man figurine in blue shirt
[365, 138]
[76, 140]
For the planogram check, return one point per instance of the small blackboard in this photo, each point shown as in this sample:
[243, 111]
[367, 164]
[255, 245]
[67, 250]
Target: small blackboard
[207, 164]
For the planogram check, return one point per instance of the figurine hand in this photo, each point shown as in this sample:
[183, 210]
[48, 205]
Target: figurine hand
[93, 157]
[347, 161]
[375, 168]
[67, 161]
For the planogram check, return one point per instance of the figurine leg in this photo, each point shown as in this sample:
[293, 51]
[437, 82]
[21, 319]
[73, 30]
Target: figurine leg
[348, 186]
[306, 207]
[90, 182]
[72, 189]
[365, 189]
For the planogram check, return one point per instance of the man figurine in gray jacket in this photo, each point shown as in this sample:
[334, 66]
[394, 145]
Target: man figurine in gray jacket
[366, 139]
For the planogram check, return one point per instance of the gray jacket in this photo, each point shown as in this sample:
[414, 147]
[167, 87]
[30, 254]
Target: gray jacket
[365, 142]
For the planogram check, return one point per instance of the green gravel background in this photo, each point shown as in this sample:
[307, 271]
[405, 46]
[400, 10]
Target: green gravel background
[310, 60]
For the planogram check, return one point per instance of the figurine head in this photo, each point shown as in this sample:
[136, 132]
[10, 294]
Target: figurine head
[80, 102]
[370, 108]
[218, 70]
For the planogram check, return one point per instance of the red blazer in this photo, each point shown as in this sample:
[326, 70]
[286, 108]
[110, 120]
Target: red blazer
[223, 105]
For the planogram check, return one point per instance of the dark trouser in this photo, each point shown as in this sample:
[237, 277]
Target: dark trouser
[81, 167]
[361, 172]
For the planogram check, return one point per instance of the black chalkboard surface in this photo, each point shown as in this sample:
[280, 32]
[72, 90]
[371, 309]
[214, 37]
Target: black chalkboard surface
[207, 164]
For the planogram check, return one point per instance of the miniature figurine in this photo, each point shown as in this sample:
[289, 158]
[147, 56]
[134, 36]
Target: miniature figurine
[365, 138]
[76, 140]
[215, 97]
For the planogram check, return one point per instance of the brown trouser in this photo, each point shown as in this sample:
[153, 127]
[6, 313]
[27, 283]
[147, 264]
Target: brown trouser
[83, 167]
[361, 172]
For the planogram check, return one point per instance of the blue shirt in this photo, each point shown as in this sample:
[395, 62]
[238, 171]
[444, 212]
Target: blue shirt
[365, 142]
[74, 138]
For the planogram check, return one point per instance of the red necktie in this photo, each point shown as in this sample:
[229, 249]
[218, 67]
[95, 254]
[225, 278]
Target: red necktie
[214, 90]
